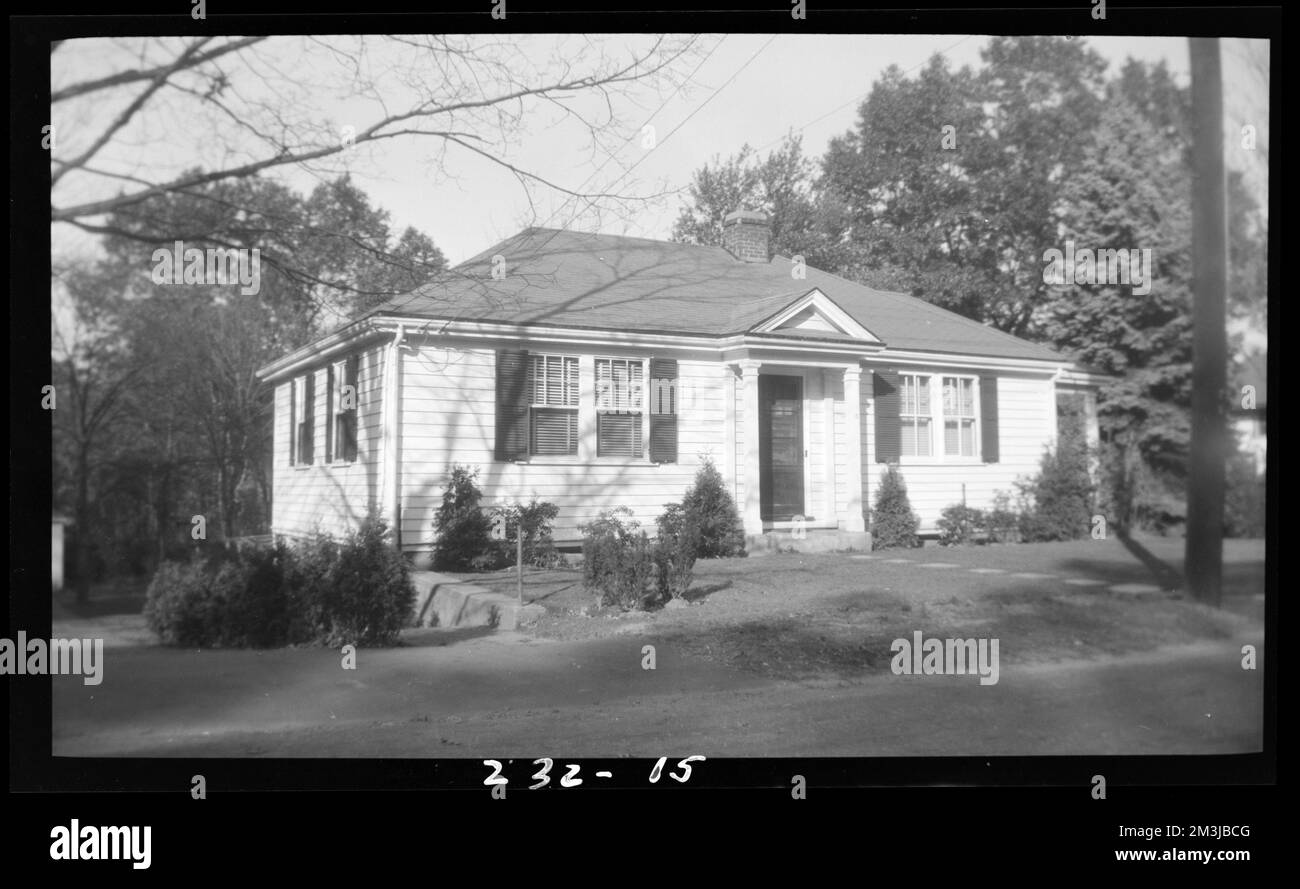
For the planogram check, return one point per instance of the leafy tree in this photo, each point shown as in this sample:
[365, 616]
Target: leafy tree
[781, 185]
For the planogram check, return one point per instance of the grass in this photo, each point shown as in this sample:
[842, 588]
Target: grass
[800, 616]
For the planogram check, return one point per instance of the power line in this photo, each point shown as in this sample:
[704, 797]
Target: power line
[644, 124]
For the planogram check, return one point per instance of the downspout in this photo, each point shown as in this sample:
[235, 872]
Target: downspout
[391, 479]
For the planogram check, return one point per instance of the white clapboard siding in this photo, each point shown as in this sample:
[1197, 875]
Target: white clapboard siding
[334, 498]
[449, 415]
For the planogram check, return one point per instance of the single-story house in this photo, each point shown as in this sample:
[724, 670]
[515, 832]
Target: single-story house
[596, 371]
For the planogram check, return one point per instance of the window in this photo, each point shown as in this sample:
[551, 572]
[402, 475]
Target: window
[303, 419]
[618, 407]
[553, 411]
[341, 405]
[959, 417]
[914, 416]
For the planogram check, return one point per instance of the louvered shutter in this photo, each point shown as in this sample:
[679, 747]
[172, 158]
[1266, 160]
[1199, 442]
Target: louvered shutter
[885, 391]
[989, 418]
[663, 410]
[331, 394]
[512, 405]
[308, 431]
[293, 422]
[349, 443]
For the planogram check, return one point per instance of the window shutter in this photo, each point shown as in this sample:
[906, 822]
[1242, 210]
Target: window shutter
[349, 443]
[989, 418]
[884, 386]
[309, 419]
[663, 410]
[293, 421]
[512, 405]
[331, 393]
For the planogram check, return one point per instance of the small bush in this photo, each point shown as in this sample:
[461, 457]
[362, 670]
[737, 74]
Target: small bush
[258, 609]
[357, 591]
[368, 596]
[1002, 521]
[1061, 496]
[463, 529]
[893, 524]
[307, 574]
[710, 513]
[618, 560]
[960, 524]
[676, 552]
[535, 518]
[180, 608]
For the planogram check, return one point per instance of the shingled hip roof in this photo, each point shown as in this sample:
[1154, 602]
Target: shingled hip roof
[556, 277]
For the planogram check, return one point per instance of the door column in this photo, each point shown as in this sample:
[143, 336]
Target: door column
[853, 518]
[751, 511]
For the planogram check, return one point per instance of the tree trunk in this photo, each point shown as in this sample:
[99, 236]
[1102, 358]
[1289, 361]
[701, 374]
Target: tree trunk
[82, 523]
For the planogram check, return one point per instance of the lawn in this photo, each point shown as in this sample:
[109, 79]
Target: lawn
[801, 616]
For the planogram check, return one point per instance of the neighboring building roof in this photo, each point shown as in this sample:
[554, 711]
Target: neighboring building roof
[573, 279]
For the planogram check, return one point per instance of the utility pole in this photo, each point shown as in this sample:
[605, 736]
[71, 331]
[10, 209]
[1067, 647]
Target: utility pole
[1203, 557]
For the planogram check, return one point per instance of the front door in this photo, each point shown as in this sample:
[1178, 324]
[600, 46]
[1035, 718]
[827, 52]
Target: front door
[780, 447]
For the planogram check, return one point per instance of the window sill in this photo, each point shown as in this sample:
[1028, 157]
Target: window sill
[582, 461]
[951, 461]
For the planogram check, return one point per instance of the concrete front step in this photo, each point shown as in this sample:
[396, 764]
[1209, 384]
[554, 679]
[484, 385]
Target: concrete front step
[442, 601]
[813, 540]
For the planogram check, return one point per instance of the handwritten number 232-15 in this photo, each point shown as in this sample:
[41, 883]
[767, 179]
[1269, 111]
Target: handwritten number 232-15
[571, 779]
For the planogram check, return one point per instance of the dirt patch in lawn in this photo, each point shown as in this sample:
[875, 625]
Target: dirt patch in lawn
[806, 616]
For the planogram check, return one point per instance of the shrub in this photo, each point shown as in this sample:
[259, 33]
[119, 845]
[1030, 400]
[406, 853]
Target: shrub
[676, 552]
[367, 597]
[1061, 496]
[960, 524]
[711, 515]
[356, 592]
[180, 608]
[535, 519]
[307, 575]
[258, 611]
[463, 529]
[893, 522]
[618, 560]
[1002, 521]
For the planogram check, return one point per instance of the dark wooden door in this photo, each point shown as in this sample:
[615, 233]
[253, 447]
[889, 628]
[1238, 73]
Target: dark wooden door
[780, 447]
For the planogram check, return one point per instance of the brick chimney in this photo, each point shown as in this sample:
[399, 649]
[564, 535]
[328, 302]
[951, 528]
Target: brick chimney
[745, 234]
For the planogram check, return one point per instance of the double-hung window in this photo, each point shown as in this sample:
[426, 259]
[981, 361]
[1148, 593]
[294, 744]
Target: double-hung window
[619, 388]
[915, 416]
[952, 408]
[959, 417]
[553, 408]
[341, 419]
[303, 398]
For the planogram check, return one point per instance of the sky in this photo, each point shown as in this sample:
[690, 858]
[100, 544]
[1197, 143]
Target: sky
[752, 88]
